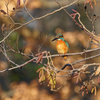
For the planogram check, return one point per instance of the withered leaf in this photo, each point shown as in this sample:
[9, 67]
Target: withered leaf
[3, 26]
[18, 3]
[97, 71]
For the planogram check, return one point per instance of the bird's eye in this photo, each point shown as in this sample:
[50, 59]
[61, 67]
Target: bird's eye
[60, 36]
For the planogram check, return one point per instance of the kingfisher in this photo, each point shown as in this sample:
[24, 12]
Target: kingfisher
[62, 46]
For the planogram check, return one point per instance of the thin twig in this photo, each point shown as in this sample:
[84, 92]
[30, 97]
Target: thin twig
[55, 11]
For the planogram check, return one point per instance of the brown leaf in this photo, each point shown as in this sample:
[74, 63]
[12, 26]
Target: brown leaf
[82, 93]
[3, 26]
[90, 2]
[99, 80]
[40, 57]
[95, 91]
[18, 3]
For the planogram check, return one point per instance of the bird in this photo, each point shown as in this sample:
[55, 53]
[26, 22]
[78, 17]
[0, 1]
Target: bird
[62, 46]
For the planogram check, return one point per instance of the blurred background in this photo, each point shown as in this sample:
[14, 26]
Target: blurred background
[22, 84]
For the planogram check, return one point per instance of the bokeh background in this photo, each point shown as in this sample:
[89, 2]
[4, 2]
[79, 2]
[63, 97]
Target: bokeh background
[22, 84]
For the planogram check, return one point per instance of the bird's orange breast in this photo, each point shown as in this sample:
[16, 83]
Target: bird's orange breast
[61, 47]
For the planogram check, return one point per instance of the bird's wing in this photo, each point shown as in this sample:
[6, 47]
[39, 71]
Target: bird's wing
[66, 43]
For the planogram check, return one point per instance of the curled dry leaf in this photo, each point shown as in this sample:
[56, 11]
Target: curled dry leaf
[18, 3]
[39, 59]
[41, 75]
[78, 78]
[90, 2]
[97, 71]
[83, 89]
[99, 80]
[95, 2]
[3, 26]
[52, 80]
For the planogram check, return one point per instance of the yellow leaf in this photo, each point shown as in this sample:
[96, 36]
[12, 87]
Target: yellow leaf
[97, 71]
[95, 2]
[87, 71]
[92, 90]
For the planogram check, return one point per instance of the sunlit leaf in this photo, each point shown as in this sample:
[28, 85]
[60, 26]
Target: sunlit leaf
[92, 90]
[95, 2]
[97, 71]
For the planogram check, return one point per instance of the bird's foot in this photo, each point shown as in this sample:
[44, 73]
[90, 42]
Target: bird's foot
[59, 54]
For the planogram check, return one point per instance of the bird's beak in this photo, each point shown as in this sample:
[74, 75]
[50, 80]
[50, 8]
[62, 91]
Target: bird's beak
[54, 39]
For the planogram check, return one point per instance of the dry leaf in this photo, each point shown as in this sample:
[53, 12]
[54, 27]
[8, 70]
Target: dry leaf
[3, 26]
[97, 71]
[18, 3]
[95, 2]
[90, 2]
